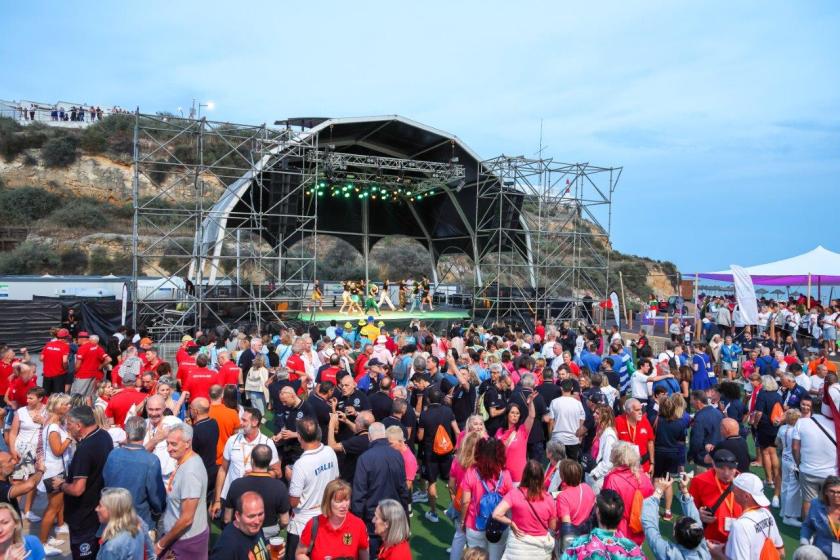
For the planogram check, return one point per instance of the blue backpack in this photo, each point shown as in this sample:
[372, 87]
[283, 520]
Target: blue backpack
[488, 503]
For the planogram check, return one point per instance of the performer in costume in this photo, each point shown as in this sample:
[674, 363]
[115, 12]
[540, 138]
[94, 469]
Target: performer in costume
[416, 297]
[317, 297]
[403, 295]
[370, 301]
[346, 302]
[385, 296]
[427, 297]
[355, 298]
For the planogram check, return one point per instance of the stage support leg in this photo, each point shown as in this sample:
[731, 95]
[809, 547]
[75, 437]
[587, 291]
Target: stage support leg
[366, 240]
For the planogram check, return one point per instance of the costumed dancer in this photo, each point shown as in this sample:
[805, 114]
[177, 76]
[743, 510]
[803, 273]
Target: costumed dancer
[416, 297]
[355, 298]
[370, 301]
[403, 295]
[385, 295]
[346, 302]
[317, 297]
[427, 296]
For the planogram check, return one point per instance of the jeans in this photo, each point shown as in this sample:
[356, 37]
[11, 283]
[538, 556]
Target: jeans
[257, 400]
[459, 541]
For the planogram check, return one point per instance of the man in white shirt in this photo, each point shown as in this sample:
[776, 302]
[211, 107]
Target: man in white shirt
[815, 454]
[754, 526]
[157, 428]
[317, 467]
[567, 418]
[236, 457]
[818, 380]
[643, 378]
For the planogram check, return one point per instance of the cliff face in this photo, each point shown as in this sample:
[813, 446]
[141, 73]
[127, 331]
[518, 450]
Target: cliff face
[105, 239]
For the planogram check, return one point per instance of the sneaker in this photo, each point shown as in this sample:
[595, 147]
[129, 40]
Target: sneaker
[775, 502]
[420, 497]
[55, 542]
[792, 522]
[32, 518]
[432, 516]
[667, 516]
[62, 530]
[51, 550]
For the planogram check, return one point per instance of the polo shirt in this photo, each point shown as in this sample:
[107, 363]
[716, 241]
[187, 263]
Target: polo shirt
[18, 388]
[434, 416]
[328, 373]
[88, 462]
[229, 423]
[91, 360]
[238, 455]
[121, 403]
[295, 366]
[52, 358]
[706, 489]
[6, 370]
[640, 436]
[310, 475]
[321, 410]
[229, 374]
[342, 542]
[184, 368]
[199, 381]
[274, 493]
[381, 405]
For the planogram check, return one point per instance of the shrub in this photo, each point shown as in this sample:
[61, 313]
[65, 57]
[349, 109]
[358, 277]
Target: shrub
[73, 261]
[29, 257]
[60, 151]
[26, 204]
[83, 213]
[99, 262]
[93, 140]
[113, 134]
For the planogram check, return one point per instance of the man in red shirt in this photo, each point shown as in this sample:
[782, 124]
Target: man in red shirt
[182, 355]
[121, 403]
[707, 489]
[90, 359]
[22, 379]
[295, 363]
[229, 372]
[633, 426]
[54, 359]
[360, 368]
[187, 363]
[152, 360]
[144, 345]
[7, 363]
[200, 378]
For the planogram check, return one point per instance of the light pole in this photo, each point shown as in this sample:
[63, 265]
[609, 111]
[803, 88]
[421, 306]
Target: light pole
[197, 114]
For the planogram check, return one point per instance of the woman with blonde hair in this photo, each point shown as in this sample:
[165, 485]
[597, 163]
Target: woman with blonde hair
[791, 497]
[335, 517]
[125, 536]
[391, 525]
[464, 459]
[24, 441]
[105, 424]
[13, 545]
[255, 383]
[626, 478]
[58, 451]
[606, 437]
[174, 401]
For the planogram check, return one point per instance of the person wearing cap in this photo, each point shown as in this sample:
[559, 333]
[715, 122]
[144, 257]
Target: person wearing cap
[754, 526]
[381, 352]
[181, 355]
[369, 331]
[90, 360]
[54, 358]
[369, 383]
[717, 511]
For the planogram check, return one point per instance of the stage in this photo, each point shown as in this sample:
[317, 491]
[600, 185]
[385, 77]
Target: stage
[437, 319]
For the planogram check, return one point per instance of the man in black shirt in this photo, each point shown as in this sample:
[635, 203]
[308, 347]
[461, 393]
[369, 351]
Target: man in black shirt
[496, 399]
[350, 449]
[243, 539]
[84, 483]
[285, 422]
[436, 465]
[398, 409]
[732, 440]
[380, 401]
[273, 490]
[350, 402]
[280, 380]
[463, 397]
[319, 404]
[205, 439]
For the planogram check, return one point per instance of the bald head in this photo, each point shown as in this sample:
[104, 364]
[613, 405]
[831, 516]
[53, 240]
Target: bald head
[729, 427]
[200, 406]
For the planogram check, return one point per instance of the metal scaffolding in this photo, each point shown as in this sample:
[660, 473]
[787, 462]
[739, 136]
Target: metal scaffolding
[542, 229]
[217, 207]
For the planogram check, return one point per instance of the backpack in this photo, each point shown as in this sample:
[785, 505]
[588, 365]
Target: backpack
[672, 363]
[488, 503]
[769, 550]
[777, 414]
[442, 444]
[671, 386]
[635, 522]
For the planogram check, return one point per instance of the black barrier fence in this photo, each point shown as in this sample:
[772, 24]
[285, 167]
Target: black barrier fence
[26, 324]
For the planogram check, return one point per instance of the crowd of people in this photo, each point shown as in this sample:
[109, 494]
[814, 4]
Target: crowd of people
[569, 442]
[61, 113]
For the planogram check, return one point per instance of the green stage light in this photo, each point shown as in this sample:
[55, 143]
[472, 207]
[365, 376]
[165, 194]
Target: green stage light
[322, 184]
[320, 193]
[419, 197]
[431, 193]
[347, 195]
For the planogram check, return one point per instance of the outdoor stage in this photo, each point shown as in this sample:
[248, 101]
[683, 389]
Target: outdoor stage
[439, 318]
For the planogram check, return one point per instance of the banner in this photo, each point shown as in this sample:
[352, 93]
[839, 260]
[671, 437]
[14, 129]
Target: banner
[124, 303]
[616, 308]
[745, 295]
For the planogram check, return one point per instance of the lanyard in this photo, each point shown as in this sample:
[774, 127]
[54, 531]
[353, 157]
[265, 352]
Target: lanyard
[171, 481]
[246, 458]
[729, 501]
[632, 432]
[835, 528]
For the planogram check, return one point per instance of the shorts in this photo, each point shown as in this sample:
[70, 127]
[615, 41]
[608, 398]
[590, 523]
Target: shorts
[84, 544]
[765, 438]
[55, 384]
[436, 466]
[667, 463]
[811, 486]
[829, 333]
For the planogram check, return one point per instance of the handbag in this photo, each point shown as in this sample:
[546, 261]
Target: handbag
[534, 511]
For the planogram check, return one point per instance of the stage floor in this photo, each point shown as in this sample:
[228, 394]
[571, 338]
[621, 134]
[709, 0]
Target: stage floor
[387, 315]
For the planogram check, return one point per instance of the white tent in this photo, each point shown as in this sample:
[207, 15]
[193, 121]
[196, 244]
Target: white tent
[819, 265]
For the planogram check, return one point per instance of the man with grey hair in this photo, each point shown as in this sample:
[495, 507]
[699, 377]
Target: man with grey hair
[634, 427]
[186, 532]
[350, 449]
[520, 395]
[131, 467]
[157, 427]
[380, 475]
[91, 358]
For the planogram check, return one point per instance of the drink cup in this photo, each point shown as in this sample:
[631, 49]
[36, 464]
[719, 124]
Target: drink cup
[276, 546]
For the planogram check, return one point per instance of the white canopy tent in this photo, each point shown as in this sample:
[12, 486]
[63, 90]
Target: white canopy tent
[819, 265]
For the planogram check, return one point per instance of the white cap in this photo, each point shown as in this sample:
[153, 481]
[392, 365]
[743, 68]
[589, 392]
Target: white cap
[752, 485]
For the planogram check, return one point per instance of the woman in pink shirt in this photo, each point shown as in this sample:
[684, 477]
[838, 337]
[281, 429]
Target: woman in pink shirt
[514, 434]
[488, 470]
[532, 517]
[575, 501]
[464, 460]
[475, 423]
[625, 478]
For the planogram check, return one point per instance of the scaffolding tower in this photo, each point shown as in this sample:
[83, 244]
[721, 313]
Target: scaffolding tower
[542, 229]
[217, 208]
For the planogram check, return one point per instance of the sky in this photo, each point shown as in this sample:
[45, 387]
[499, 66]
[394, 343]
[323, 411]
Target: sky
[725, 116]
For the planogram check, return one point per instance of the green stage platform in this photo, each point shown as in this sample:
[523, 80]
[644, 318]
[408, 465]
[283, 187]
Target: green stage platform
[398, 317]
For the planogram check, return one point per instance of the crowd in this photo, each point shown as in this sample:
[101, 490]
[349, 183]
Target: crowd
[55, 113]
[566, 443]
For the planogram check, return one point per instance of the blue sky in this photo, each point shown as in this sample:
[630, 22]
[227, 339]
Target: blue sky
[724, 115]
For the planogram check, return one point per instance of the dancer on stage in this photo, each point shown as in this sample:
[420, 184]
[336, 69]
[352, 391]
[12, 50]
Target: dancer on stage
[317, 297]
[385, 296]
[403, 295]
[346, 302]
[416, 297]
[355, 298]
[427, 297]
[370, 300]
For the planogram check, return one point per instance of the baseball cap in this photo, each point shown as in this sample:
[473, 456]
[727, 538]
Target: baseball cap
[186, 338]
[374, 362]
[370, 319]
[725, 458]
[752, 485]
[597, 397]
[82, 334]
[145, 342]
[62, 333]
[380, 324]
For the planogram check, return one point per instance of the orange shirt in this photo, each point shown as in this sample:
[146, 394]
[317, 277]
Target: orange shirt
[229, 424]
[829, 365]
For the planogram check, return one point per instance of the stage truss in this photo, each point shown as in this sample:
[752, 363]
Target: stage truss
[556, 257]
[248, 275]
